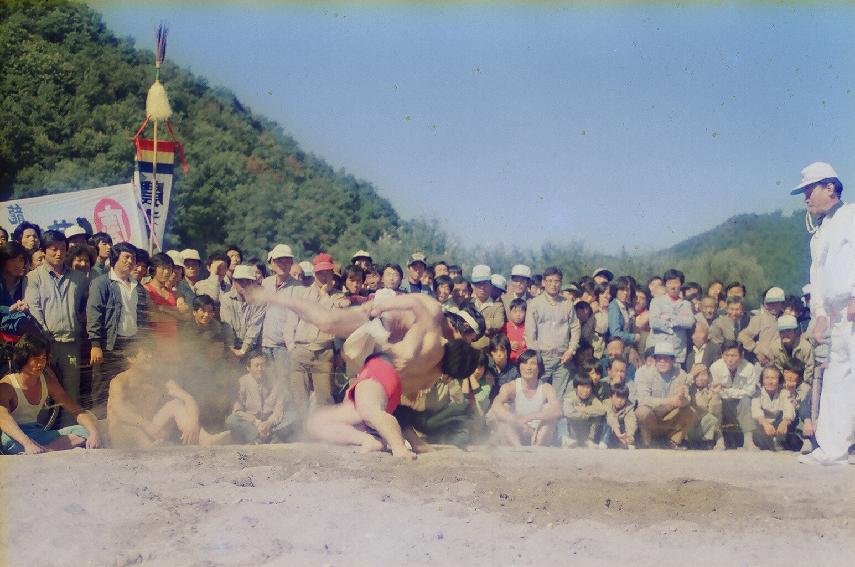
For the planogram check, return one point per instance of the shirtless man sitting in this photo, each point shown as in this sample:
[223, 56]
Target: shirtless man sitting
[419, 348]
[146, 408]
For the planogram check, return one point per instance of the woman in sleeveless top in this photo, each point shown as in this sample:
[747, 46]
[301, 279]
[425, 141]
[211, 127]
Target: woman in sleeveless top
[526, 410]
[22, 397]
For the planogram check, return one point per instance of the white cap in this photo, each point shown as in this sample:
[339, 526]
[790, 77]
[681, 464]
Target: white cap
[775, 295]
[787, 323]
[307, 268]
[74, 230]
[481, 273]
[521, 270]
[499, 281]
[605, 271]
[664, 348]
[190, 254]
[806, 289]
[814, 173]
[361, 254]
[244, 272]
[176, 257]
[280, 251]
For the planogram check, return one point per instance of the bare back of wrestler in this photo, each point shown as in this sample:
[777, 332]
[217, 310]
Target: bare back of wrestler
[418, 346]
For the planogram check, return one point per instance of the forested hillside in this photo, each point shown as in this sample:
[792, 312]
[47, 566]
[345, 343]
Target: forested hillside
[72, 95]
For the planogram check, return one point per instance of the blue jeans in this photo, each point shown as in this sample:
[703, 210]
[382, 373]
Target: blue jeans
[558, 375]
[38, 434]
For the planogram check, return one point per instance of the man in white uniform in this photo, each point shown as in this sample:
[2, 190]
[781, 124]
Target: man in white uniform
[832, 305]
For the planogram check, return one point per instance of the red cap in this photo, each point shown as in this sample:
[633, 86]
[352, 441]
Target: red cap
[322, 261]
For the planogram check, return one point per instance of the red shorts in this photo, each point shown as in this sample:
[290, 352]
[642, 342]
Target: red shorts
[384, 373]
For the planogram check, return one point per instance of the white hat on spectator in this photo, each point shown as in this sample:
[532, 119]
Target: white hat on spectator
[806, 289]
[74, 230]
[176, 257]
[499, 281]
[361, 254]
[775, 295]
[521, 271]
[481, 273]
[280, 251]
[190, 254]
[814, 173]
[605, 272]
[244, 272]
[664, 348]
[417, 257]
[308, 270]
[787, 323]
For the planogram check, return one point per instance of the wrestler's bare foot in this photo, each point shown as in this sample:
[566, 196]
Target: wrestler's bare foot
[403, 453]
[372, 446]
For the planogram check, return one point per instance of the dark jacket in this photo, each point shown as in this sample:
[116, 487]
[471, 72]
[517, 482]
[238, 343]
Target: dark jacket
[104, 310]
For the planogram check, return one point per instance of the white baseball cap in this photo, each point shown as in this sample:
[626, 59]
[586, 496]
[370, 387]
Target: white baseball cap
[176, 257]
[481, 273]
[499, 281]
[775, 295]
[361, 254]
[604, 271]
[787, 323]
[280, 251]
[74, 230]
[308, 270]
[664, 349]
[190, 254]
[244, 272]
[521, 270]
[814, 173]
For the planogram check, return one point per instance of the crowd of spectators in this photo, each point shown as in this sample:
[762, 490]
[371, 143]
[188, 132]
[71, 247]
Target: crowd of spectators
[172, 348]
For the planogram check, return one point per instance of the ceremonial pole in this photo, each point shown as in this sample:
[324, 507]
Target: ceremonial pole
[157, 109]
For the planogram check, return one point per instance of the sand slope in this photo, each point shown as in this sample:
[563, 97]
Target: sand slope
[319, 505]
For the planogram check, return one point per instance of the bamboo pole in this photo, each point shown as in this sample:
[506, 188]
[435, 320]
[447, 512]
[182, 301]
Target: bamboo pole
[153, 194]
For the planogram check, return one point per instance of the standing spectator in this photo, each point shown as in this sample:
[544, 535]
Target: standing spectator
[362, 258]
[215, 285]
[552, 329]
[81, 258]
[671, 317]
[392, 277]
[462, 290]
[518, 288]
[621, 316]
[276, 317]
[29, 236]
[416, 266]
[75, 235]
[116, 315]
[192, 268]
[663, 399]
[500, 287]
[163, 302]
[493, 313]
[514, 329]
[715, 289]
[603, 276]
[737, 379]
[762, 329]
[13, 268]
[4, 236]
[102, 243]
[708, 312]
[242, 321]
[773, 411]
[57, 297]
[727, 327]
[442, 287]
[703, 351]
[235, 255]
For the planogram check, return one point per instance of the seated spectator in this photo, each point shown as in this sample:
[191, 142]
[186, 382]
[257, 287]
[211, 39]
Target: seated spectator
[601, 388]
[514, 329]
[791, 346]
[663, 400]
[618, 377]
[801, 433]
[500, 365]
[258, 414]
[706, 405]
[24, 394]
[727, 327]
[737, 379]
[146, 407]
[615, 348]
[585, 414]
[702, 351]
[621, 425]
[479, 389]
[762, 329]
[773, 411]
[526, 410]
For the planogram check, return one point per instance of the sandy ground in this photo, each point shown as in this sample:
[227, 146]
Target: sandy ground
[319, 505]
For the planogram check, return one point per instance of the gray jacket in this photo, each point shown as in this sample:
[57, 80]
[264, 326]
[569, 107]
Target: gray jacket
[104, 309]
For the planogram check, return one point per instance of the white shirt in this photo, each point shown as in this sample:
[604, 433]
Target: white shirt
[832, 269]
[128, 319]
[742, 385]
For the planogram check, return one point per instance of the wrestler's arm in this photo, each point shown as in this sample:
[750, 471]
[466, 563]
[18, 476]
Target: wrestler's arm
[506, 395]
[428, 319]
[337, 322]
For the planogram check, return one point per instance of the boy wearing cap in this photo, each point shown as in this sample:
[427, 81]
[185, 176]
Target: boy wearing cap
[192, 268]
[762, 329]
[241, 320]
[663, 399]
[482, 289]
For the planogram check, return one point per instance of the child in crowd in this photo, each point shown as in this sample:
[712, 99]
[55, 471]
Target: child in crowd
[706, 405]
[514, 328]
[601, 388]
[526, 410]
[617, 370]
[621, 424]
[259, 411]
[500, 366]
[801, 433]
[773, 411]
[585, 415]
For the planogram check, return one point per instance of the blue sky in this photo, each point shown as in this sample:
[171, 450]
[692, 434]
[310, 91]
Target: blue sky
[617, 126]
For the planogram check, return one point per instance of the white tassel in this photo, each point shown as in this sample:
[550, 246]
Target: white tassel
[156, 104]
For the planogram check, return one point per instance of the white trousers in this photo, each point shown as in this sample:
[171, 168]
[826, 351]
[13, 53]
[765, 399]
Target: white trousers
[835, 428]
